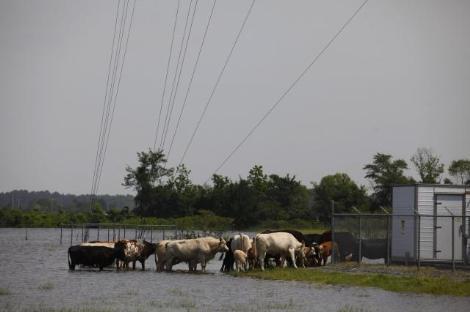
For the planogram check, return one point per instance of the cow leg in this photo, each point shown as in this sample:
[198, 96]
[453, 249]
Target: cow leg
[292, 257]
[133, 264]
[261, 260]
[143, 264]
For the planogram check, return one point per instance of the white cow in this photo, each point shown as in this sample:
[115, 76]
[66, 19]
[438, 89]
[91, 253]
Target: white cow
[161, 257]
[193, 251]
[281, 244]
[240, 242]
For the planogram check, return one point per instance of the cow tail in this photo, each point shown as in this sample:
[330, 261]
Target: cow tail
[68, 258]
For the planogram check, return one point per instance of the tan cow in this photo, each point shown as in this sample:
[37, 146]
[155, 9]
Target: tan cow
[281, 244]
[193, 251]
[240, 260]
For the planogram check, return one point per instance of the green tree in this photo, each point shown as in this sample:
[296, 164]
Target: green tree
[384, 173]
[341, 189]
[460, 170]
[149, 174]
[428, 165]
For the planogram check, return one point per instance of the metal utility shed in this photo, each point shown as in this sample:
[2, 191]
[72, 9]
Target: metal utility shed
[431, 223]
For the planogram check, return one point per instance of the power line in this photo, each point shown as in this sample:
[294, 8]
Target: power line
[105, 123]
[218, 81]
[291, 86]
[117, 90]
[191, 79]
[166, 75]
[172, 99]
[111, 91]
[105, 97]
[175, 74]
[112, 88]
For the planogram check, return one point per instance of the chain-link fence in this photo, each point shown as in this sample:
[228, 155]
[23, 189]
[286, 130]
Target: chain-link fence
[386, 238]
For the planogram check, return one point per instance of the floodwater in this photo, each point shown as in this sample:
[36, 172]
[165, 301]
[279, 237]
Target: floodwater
[34, 275]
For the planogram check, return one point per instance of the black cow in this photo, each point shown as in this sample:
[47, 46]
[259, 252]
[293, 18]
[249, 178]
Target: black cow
[372, 249]
[311, 239]
[229, 260]
[92, 256]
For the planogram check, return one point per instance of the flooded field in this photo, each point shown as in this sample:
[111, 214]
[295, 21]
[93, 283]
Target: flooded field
[34, 276]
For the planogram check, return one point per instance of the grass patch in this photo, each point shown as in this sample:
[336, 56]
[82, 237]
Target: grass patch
[46, 286]
[4, 292]
[416, 284]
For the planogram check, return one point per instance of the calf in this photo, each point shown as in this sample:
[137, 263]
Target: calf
[326, 250]
[251, 258]
[240, 260]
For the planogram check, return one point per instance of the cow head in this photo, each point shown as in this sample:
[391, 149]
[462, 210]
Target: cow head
[222, 247]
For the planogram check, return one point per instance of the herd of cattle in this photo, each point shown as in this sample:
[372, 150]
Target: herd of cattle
[240, 251]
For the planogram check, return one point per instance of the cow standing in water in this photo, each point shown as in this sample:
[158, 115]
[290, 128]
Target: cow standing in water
[133, 251]
[193, 251]
[92, 256]
[280, 243]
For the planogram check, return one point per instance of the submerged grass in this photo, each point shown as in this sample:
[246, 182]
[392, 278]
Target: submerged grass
[46, 286]
[417, 283]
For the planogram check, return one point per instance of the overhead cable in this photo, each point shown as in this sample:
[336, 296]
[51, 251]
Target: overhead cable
[291, 86]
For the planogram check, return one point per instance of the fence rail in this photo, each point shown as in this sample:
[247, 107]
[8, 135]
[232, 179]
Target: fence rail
[84, 232]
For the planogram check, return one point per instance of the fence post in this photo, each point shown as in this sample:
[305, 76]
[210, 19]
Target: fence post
[82, 232]
[108, 233]
[419, 241]
[333, 252]
[360, 241]
[453, 245]
[388, 240]
[26, 233]
[61, 234]
[151, 234]
[98, 234]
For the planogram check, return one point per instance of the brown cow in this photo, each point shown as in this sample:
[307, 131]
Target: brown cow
[326, 250]
[133, 251]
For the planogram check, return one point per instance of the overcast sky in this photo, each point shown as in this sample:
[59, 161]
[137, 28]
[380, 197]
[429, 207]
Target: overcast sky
[396, 79]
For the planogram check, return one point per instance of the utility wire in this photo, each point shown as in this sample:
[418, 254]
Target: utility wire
[179, 73]
[112, 89]
[217, 81]
[166, 75]
[105, 99]
[117, 58]
[191, 79]
[291, 86]
[117, 90]
[175, 74]
[110, 93]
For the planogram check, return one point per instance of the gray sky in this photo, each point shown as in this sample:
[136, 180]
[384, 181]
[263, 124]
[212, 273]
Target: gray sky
[396, 79]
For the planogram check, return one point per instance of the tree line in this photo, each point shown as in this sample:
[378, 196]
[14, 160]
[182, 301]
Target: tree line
[166, 195]
[169, 192]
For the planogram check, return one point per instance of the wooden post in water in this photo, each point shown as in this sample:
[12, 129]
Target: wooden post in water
[98, 234]
[124, 236]
[82, 233]
[108, 233]
[61, 234]
[71, 234]
[151, 234]
[26, 234]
